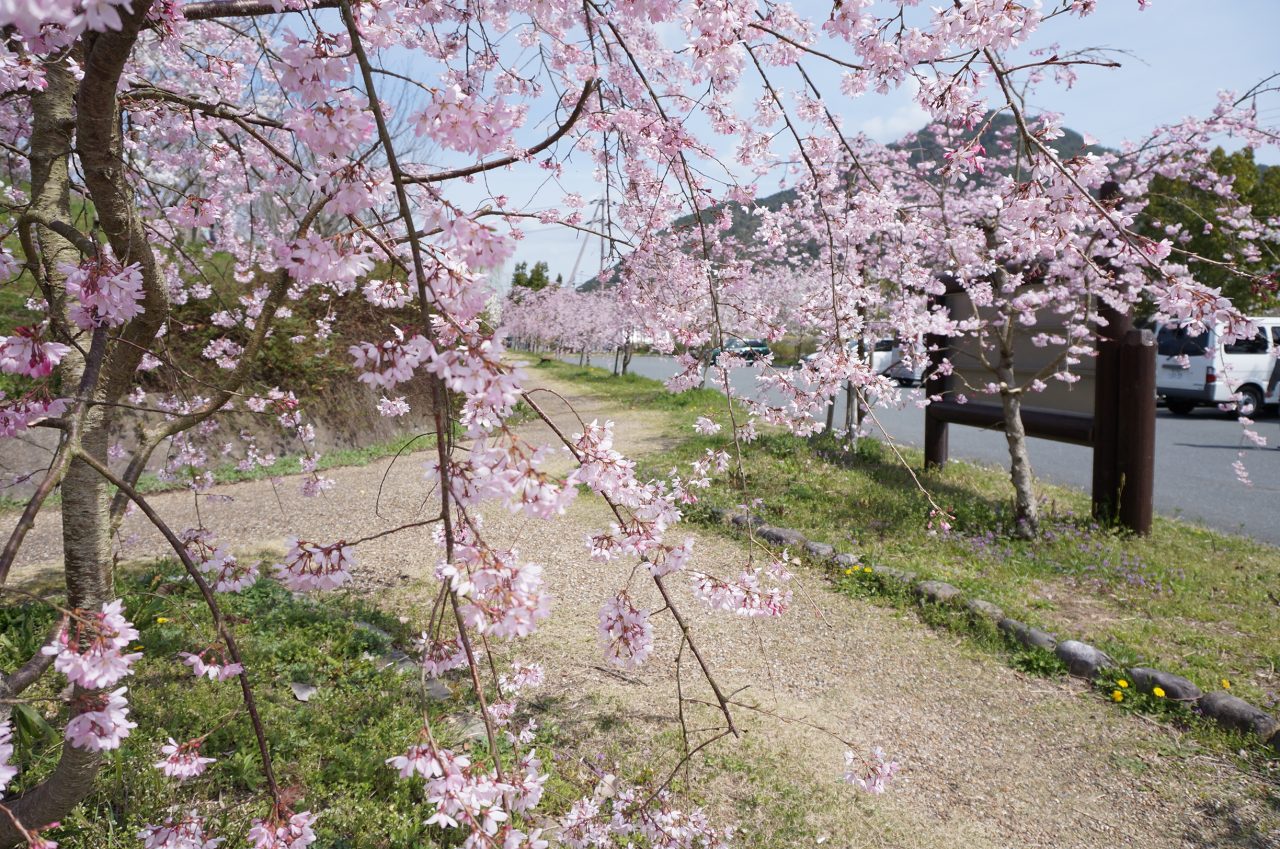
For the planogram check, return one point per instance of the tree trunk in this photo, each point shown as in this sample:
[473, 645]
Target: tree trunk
[85, 499]
[851, 411]
[1026, 513]
[626, 356]
[617, 356]
[90, 112]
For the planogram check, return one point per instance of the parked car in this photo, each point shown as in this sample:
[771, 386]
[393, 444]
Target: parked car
[887, 359]
[906, 373]
[1193, 369]
[749, 349]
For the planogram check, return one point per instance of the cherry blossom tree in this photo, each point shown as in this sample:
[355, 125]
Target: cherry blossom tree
[221, 164]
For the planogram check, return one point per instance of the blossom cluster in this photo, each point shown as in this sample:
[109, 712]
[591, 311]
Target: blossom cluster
[28, 353]
[625, 632]
[283, 830]
[186, 832]
[872, 776]
[219, 565]
[618, 812]
[466, 795]
[312, 566]
[89, 648]
[755, 592]
[107, 293]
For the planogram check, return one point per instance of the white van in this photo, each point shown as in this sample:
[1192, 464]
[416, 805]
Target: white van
[887, 359]
[1193, 369]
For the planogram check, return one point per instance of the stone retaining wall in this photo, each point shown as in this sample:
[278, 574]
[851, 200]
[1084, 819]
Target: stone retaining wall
[1081, 659]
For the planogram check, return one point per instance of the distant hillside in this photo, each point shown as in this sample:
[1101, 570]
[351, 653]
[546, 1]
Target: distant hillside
[923, 146]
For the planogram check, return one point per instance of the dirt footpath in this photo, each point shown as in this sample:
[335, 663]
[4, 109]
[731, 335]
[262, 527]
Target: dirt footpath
[992, 758]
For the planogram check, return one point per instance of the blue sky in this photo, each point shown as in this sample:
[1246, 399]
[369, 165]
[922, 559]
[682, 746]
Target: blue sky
[1177, 55]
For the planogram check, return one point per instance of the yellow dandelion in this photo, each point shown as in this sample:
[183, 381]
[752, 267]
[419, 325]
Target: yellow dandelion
[848, 571]
[1117, 696]
[1122, 683]
[160, 620]
[866, 568]
[1158, 692]
[1226, 685]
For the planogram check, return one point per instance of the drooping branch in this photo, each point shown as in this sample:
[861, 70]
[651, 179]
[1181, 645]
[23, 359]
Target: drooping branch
[685, 631]
[215, 612]
[212, 9]
[578, 109]
[213, 110]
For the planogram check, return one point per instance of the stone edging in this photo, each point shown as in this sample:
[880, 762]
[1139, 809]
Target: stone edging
[1081, 659]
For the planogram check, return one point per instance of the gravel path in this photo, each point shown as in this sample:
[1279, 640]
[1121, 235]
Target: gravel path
[992, 758]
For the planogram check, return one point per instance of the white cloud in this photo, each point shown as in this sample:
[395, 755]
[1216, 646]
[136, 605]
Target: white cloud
[904, 119]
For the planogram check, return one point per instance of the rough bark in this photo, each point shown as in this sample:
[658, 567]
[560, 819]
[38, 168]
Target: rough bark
[53, 131]
[90, 115]
[101, 153]
[87, 548]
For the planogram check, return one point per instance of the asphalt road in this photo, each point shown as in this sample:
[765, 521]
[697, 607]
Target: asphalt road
[1194, 478]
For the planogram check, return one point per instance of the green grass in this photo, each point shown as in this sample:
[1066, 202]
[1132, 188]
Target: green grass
[1186, 599]
[633, 392]
[329, 752]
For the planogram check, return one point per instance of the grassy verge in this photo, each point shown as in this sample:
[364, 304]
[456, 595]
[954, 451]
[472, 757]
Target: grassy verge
[329, 752]
[226, 473]
[1186, 599]
[630, 391]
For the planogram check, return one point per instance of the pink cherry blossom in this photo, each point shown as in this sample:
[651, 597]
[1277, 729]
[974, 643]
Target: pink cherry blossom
[88, 649]
[755, 592]
[625, 632]
[35, 841]
[219, 565]
[283, 831]
[418, 760]
[499, 594]
[18, 414]
[311, 566]
[523, 677]
[184, 833]
[706, 426]
[440, 656]
[183, 760]
[461, 792]
[872, 776]
[392, 362]
[107, 293]
[102, 723]
[27, 354]
[201, 668]
[393, 407]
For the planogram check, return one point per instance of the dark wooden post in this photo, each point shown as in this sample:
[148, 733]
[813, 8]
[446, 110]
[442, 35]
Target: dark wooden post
[1107, 390]
[1136, 430]
[936, 383]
